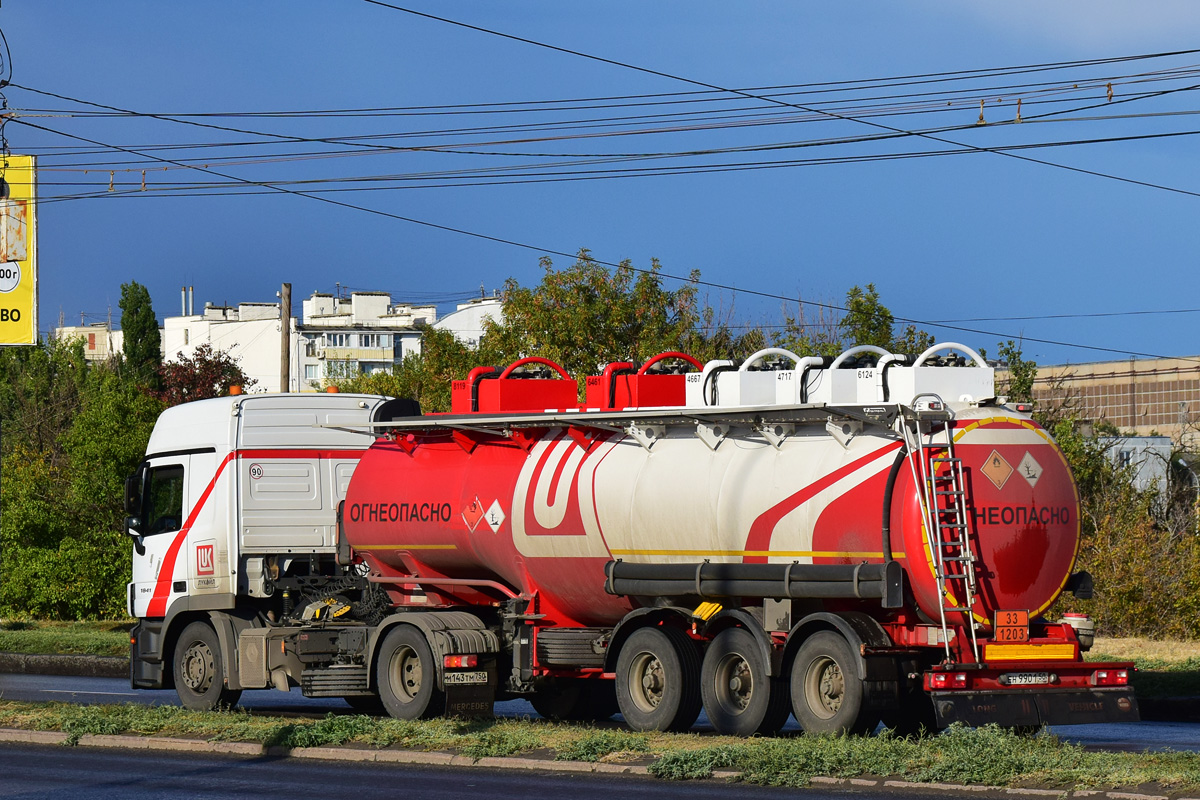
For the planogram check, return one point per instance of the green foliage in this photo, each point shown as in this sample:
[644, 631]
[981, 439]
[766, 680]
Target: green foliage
[502, 739]
[72, 432]
[865, 321]
[424, 377]
[108, 638]
[1022, 372]
[1147, 576]
[596, 745]
[585, 316]
[139, 327]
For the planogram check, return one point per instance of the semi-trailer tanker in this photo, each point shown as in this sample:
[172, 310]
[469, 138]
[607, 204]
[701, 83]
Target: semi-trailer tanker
[873, 537]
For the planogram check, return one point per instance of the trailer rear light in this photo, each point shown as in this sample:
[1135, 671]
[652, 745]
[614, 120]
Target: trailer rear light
[1024, 408]
[1110, 677]
[948, 680]
[460, 662]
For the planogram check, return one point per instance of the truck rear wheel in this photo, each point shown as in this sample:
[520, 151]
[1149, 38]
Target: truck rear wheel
[199, 670]
[658, 677]
[827, 695]
[407, 675]
[739, 697]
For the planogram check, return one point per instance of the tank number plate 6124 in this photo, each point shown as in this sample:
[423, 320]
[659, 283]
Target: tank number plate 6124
[465, 678]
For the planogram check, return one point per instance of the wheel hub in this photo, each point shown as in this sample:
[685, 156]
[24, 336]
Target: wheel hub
[734, 673]
[652, 681]
[198, 667]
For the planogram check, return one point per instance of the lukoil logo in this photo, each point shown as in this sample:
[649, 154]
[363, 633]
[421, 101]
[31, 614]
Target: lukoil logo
[204, 559]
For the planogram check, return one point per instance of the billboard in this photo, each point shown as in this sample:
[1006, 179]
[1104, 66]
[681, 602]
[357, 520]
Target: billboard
[18, 251]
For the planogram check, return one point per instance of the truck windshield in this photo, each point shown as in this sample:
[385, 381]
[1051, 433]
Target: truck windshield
[164, 499]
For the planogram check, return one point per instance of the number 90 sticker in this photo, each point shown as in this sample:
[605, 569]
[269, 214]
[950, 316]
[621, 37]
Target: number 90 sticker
[10, 276]
[256, 471]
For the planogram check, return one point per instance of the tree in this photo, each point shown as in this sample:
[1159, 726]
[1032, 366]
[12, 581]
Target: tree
[140, 329]
[206, 373]
[585, 316]
[1022, 373]
[865, 321]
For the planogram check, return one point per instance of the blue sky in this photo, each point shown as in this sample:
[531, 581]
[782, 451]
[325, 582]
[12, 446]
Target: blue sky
[974, 236]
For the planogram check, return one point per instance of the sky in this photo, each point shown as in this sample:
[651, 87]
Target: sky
[494, 152]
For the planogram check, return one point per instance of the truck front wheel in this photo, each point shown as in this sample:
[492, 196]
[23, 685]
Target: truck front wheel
[658, 680]
[407, 675]
[200, 671]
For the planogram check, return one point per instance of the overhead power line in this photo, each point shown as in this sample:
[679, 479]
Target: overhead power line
[764, 98]
[659, 274]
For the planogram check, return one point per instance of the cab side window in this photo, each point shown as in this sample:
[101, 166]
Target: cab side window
[164, 499]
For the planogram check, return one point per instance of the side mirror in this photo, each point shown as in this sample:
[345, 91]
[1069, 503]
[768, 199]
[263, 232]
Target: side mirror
[133, 491]
[132, 524]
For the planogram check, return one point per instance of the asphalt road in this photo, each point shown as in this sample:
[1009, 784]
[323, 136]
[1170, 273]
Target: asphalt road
[95, 774]
[1130, 737]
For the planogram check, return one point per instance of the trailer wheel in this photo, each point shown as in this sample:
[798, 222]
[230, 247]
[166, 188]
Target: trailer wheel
[739, 697]
[658, 676]
[575, 700]
[827, 696]
[199, 671]
[407, 675]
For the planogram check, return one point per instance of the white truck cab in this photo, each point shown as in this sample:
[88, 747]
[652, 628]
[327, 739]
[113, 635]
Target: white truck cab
[233, 491]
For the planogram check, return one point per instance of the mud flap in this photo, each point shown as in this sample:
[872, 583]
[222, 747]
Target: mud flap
[1012, 709]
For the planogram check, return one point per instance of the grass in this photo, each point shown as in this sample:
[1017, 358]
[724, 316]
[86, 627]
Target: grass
[104, 638]
[960, 755]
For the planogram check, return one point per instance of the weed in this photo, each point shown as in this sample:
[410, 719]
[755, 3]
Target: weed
[595, 745]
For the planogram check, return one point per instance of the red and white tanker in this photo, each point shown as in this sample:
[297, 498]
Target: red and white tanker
[850, 540]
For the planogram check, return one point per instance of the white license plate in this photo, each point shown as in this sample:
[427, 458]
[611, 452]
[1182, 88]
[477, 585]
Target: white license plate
[1028, 678]
[468, 678]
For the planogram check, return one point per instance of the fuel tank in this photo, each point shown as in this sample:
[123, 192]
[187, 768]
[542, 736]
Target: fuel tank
[543, 509]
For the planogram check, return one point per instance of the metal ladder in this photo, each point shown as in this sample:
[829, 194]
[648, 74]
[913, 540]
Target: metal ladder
[939, 474]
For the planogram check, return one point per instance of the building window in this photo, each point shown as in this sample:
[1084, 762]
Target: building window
[186, 336]
[376, 339]
[310, 372]
[337, 340]
[91, 341]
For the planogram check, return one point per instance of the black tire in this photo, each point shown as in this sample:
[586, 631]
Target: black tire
[739, 697]
[658, 680]
[199, 670]
[368, 704]
[406, 675]
[575, 700]
[827, 695]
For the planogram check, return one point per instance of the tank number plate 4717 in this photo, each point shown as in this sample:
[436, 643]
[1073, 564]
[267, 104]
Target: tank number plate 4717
[465, 678]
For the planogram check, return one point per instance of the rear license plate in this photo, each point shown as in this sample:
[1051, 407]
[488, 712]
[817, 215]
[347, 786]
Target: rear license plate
[1027, 678]
[465, 678]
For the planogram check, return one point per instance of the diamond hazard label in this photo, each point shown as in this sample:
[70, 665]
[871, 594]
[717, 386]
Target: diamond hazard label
[495, 516]
[472, 514]
[1030, 469]
[997, 470]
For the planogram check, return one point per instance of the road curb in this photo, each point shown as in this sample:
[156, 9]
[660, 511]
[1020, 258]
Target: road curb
[78, 665]
[442, 759]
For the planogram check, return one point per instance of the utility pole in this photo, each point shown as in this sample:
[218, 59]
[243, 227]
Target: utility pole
[285, 337]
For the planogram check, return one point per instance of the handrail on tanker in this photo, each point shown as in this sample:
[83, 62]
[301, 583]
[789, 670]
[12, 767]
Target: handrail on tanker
[535, 360]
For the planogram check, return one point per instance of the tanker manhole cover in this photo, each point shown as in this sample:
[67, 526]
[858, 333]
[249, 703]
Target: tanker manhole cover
[997, 470]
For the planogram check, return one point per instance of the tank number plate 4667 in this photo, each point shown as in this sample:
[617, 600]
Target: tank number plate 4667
[469, 678]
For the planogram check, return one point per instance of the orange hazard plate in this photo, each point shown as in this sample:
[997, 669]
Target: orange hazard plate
[1011, 626]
